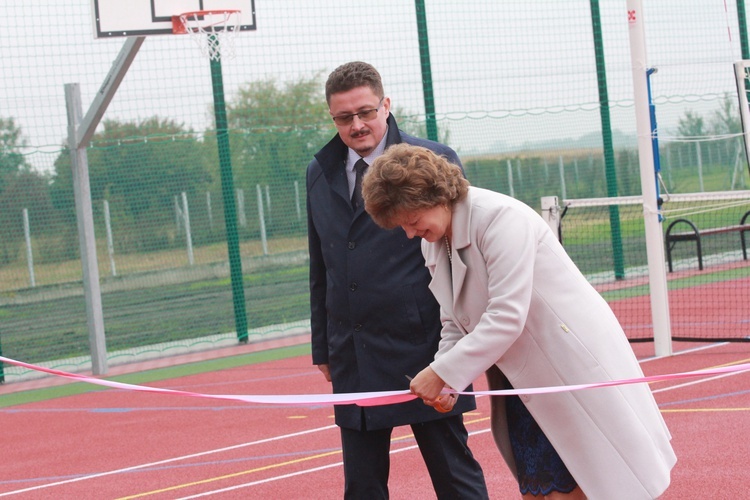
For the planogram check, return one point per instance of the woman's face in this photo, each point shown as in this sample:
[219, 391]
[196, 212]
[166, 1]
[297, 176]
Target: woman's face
[430, 224]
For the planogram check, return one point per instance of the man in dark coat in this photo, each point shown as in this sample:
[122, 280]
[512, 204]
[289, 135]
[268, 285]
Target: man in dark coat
[374, 319]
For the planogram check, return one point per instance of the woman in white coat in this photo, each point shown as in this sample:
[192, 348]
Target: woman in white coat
[515, 306]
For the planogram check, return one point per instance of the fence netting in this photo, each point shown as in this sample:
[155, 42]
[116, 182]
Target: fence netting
[517, 92]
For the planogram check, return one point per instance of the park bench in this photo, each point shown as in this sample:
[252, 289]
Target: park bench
[695, 234]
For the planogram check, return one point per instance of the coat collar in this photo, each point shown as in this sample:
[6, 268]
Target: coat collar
[333, 154]
[332, 159]
[448, 277]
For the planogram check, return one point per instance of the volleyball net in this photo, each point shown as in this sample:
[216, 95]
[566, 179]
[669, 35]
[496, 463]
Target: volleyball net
[705, 236]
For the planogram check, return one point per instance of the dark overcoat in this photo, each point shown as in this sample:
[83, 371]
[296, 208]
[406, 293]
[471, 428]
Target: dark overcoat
[373, 318]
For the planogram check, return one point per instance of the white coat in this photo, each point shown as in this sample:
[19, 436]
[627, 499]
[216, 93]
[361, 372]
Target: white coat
[515, 300]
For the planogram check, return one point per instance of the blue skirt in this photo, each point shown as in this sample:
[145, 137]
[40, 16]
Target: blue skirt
[540, 469]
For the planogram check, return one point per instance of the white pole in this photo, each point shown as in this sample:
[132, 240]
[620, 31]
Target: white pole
[699, 156]
[210, 212]
[110, 241]
[551, 213]
[262, 220]
[509, 168]
[241, 207]
[654, 244]
[188, 234]
[739, 71]
[561, 169]
[29, 252]
[177, 215]
[519, 173]
[268, 205]
[296, 200]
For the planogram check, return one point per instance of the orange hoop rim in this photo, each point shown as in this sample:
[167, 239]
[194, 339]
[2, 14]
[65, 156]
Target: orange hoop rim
[179, 26]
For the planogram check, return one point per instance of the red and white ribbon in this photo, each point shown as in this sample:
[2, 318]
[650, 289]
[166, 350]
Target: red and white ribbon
[369, 398]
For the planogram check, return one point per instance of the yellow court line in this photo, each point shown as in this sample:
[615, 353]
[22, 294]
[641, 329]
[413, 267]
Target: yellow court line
[742, 361]
[700, 410]
[268, 467]
[228, 476]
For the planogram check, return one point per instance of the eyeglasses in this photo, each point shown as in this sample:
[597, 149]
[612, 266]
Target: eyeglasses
[365, 115]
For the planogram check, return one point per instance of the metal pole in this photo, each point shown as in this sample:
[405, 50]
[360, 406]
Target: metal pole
[261, 219]
[424, 58]
[86, 236]
[188, 230]
[29, 251]
[654, 239]
[742, 22]
[230, 209]
[609, 150]
[110, 240]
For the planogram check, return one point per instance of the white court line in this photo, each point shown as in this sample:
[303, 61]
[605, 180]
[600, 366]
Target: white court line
[298, 473]
[695, 382]
[229, 448]
[393, 452]
[686, 351]
[169, 460]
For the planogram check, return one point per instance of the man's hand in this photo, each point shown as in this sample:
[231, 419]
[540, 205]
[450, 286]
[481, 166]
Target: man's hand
[326, 371]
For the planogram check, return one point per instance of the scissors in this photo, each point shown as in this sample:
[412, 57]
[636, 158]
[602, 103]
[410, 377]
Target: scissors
[449, 398]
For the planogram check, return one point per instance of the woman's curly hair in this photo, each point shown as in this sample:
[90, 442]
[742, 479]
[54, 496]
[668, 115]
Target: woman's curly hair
[406, 179]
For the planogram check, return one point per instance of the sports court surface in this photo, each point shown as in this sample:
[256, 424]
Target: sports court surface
[72, 440]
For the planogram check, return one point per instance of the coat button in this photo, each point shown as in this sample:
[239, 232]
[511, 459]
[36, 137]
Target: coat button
[357, 327]
[525, 398]
[353, 286]
[352, 245]
[465, 320]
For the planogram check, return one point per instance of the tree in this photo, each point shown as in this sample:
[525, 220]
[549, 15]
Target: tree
[275, 131]
[25, 190]
[11, 159]
[725, 121]
[417, 126]
[139, 167]
[691, 125]
[20, 188]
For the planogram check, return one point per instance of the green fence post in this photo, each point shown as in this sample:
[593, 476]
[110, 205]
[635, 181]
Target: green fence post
[2, 366]
[609, 152]
[424, 58]
[742, 22]
[230, 209]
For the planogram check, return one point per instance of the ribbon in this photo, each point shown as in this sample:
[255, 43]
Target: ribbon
[370, 398]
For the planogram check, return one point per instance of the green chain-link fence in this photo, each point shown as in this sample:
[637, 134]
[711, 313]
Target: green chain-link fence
[514, 86]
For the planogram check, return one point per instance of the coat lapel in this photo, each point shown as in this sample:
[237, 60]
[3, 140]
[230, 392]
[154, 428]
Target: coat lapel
[460, 226]
[448, 278]
[436, 259]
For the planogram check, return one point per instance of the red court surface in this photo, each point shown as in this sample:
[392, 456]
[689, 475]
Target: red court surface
[113, 444]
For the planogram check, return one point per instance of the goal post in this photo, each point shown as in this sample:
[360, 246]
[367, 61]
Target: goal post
[742, 77]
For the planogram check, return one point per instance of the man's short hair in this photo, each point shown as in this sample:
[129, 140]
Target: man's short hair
[351, 75]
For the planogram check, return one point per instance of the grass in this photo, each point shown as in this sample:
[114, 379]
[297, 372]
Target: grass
[156, 313]
[15, 276]
[57, 329]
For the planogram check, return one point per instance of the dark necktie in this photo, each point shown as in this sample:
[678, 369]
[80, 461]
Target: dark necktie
[359, 170]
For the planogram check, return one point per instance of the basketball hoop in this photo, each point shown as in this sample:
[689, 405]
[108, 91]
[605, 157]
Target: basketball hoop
[214, 31]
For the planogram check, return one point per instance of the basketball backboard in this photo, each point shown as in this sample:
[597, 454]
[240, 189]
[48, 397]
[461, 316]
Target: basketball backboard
[117, 18]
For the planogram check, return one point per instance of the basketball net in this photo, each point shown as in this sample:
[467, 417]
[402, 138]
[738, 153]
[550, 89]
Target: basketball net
[214, 31]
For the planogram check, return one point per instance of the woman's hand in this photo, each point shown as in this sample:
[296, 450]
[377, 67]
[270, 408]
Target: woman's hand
[428, 386]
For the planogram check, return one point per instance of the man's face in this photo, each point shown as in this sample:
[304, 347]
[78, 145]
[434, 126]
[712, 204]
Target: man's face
[360, 135]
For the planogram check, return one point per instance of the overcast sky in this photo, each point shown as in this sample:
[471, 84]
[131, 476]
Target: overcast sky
[513, 71]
